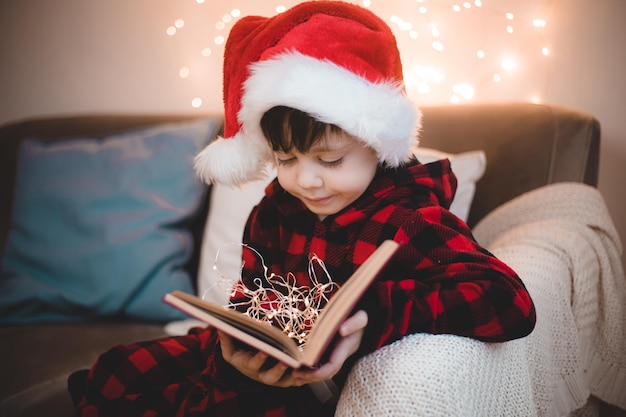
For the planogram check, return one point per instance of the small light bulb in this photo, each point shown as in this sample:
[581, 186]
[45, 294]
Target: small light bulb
[428, 73]
[196, 102]
[480, 54]
[171, 31]
[219, 40]
[539, 23]
[180, 23]
[437, 46]
[456, 8]
[206, 52]
[508, 64]
[464, 90]
[545, 51]
[184, 72]
[423, 88]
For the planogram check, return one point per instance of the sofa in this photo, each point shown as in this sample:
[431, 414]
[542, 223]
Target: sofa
[530, 197]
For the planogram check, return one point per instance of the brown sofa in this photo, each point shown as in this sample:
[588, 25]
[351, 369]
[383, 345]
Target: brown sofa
[526, 145]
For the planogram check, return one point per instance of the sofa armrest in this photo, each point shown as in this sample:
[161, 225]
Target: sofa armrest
[569, 257]
[442, 375]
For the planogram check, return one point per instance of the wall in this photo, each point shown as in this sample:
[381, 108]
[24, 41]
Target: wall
[67, 56]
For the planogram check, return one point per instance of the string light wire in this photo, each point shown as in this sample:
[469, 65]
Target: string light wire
[278, 300]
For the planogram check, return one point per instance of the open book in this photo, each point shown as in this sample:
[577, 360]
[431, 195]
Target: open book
[272, 340]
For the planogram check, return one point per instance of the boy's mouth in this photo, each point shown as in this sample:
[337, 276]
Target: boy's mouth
[318, 201]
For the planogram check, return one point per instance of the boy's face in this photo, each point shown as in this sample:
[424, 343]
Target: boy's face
[330, 176]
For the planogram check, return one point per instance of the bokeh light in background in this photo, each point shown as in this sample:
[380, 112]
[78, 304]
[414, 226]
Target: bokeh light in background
[452, 51]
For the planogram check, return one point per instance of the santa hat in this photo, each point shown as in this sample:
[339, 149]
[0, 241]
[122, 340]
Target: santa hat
[336, 61]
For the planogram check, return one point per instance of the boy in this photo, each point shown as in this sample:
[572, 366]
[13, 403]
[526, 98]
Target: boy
[318, 90]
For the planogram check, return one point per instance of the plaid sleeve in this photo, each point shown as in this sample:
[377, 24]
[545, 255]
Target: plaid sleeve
[442, 281]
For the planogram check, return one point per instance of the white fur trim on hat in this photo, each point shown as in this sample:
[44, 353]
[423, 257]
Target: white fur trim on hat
[232, 161]
[378, 114]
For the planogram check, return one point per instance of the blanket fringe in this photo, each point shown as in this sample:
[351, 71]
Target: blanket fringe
[571, 393]
[608, 382]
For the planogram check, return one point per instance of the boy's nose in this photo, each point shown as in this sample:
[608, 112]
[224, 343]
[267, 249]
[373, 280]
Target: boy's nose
[308, 177]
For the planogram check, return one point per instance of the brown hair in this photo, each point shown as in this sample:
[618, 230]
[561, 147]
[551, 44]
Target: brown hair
[286, 128]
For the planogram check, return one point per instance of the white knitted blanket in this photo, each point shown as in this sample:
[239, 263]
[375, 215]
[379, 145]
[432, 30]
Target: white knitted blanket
[561, 241]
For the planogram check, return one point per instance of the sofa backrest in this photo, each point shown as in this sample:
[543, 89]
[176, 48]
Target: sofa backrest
[527, 146]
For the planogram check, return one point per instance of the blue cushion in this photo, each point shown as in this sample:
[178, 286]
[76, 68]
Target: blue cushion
[100, 225]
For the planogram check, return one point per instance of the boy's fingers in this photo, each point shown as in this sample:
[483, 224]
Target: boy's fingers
[355, 323]
[250, 363]
[226, 345]
[275, 376]
[256, 362]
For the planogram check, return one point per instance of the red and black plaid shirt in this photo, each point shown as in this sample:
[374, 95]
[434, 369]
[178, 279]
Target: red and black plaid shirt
[439, 281]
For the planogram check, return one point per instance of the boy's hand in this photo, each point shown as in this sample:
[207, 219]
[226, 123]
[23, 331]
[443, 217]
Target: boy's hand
[351, 332]
[254, 364]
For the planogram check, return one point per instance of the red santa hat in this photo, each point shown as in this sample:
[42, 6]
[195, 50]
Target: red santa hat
[336, 61]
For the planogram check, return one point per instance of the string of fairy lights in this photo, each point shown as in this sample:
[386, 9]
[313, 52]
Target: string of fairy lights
[452, 51]
[277, 300]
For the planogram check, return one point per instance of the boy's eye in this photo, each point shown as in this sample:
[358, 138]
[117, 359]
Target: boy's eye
[284, 160]
[333, 163]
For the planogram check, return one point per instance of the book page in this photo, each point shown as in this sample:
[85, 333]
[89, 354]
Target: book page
[254, 333]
